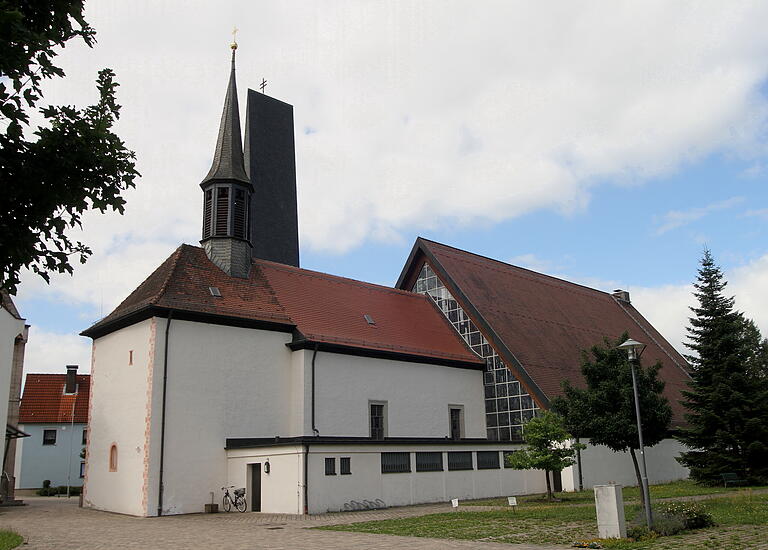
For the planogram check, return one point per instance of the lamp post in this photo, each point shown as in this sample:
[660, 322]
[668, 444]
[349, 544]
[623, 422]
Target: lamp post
[634, 349]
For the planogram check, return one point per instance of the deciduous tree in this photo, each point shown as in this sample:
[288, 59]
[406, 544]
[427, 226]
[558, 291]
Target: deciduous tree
[71, 163]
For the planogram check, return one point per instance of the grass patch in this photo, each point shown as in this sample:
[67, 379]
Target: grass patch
[9, 539]
[742, 522]
[675, 489]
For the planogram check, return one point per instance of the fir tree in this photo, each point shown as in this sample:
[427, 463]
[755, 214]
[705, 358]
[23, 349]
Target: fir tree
[728, 411]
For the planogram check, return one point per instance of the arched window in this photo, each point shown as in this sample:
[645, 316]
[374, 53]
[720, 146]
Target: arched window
[113, 458]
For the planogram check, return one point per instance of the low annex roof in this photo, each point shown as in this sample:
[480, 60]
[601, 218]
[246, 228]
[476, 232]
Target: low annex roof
[44, 400]
[540, 324]
[317, 307]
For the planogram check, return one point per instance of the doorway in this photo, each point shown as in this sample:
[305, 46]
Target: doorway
[255, 489]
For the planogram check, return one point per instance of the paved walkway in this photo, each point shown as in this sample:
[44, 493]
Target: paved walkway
[50, 523]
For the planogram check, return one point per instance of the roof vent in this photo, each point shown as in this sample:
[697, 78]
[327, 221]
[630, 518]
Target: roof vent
[621, 295]
[215, 291]
[369, 319]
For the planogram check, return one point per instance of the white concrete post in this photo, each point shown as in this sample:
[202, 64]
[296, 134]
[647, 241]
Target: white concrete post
[610, 512]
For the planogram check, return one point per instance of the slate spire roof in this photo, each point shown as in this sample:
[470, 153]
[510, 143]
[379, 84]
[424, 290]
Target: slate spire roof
[228, 160]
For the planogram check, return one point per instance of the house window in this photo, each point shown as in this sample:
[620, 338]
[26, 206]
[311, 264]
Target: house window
[460, 460]
[49, 437]
[113, 458]
[345, 465]
[330, 466]
[487, 460]
[457, 422]
[82, 469]
[429, 462]
[85, 436]
[394, 463]
[378, 414]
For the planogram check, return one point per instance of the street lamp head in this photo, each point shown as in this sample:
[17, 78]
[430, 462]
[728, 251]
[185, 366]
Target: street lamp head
[633, 347]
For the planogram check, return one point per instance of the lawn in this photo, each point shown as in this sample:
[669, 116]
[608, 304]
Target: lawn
[742, 523]
[9, 539]
[675, 489]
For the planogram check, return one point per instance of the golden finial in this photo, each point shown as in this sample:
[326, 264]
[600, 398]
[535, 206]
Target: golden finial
[234, 38]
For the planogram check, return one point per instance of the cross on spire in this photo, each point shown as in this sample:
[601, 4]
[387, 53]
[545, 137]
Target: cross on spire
[234, 38]
[263, 85]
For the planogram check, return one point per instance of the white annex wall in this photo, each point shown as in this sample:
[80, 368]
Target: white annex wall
[281, 489]
[118, 414]
[223, 382]
[10, 328]
[418, 396]
[600, 466]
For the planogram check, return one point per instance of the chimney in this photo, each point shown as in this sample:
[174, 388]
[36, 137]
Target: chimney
[621, 295]
[71, 385]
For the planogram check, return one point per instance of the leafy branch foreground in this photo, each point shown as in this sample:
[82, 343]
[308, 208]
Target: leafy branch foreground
[742, 522]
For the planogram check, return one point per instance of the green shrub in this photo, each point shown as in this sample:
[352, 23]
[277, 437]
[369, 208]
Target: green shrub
[46, 483]
[60, 490]
[694, 515]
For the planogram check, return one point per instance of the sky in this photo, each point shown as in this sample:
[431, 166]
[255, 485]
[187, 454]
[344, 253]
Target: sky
[607, 144]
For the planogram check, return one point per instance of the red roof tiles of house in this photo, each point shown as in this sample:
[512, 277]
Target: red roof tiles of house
[319, 308]
[540, 324]
[44, 400]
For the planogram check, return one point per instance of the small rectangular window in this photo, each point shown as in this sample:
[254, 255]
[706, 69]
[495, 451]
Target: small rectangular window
[85, 436]
[330, 466]
[460, 460]
[456, 422]
[49, 437]
[130, 357]
[345, 466]
[378, 420]
[507, 454]
[394, 463]
[429, 462]
[487, 460]
[82, 469]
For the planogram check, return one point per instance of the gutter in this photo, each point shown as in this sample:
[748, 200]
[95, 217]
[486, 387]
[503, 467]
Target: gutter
[162, 415]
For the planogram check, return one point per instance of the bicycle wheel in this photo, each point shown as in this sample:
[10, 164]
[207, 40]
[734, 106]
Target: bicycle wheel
[241, 504]
[227, 503]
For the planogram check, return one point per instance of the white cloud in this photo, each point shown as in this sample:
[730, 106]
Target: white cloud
[534, 263]
[424, 114]
[666, 307]
[678, 218]
[50, 352]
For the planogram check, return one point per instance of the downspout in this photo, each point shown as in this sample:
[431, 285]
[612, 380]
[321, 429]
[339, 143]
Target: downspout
[162, 415]
[306, 478]
[315, 432]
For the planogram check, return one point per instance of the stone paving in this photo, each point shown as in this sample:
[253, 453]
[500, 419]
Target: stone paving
[50, 523]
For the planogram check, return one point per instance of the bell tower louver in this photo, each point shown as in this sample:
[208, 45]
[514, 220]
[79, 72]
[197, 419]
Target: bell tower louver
[227, 193]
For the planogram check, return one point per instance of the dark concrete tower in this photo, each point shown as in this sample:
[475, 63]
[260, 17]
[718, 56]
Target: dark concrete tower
[271, 164]
[227, 193]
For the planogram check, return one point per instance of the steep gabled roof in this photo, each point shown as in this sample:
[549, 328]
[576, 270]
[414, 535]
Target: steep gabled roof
[317, 307]
[44, 400]
[540, 324]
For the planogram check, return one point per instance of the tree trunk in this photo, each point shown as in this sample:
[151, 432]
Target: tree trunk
[639, 478]
[549, 487]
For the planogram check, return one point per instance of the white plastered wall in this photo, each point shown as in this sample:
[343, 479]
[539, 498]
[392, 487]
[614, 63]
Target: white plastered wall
[282, 490]
[600, 465]
[223, 382]
[417, 395]
[366, 482]
[118, 415]
[10, 328]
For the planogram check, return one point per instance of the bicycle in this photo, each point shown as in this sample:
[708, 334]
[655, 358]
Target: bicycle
[239, 501]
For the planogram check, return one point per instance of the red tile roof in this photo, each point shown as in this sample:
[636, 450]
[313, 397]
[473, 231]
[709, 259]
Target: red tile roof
[323, 308]
[543, 321]
[44, 400]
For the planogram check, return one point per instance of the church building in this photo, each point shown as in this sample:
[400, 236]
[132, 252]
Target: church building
[230, 365]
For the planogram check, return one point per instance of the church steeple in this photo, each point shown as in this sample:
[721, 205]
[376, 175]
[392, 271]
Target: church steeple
[227, 193]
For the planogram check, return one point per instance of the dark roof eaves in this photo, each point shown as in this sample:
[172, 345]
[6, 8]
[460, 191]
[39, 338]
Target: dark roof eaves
[486, 328]
[344, 349]
[246, 442]
[97, 331]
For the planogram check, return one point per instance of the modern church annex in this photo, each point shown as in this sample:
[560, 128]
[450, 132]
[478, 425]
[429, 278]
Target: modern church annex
[231, 365]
